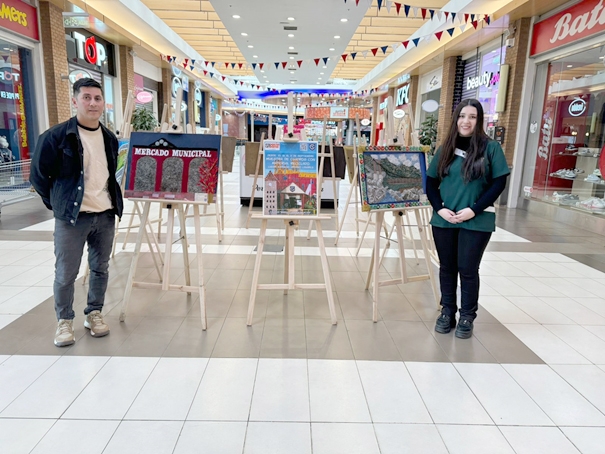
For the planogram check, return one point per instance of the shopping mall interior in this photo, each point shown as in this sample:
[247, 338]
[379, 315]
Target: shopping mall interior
[281, 298]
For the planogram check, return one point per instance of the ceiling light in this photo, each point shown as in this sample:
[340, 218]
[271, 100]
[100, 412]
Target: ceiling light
[336, 36]
[331, 48]
[250, 47]
[318, 83]
[290, 18]
[291, 81]
[570, 66]
[235, 16]
[291, 72]
[255, 56]
[319, 78]
[324, 67]
[321, 74]
[262, 71]
[244, 34]
[344, 20]
[291, 58]
[290, 35]
[291, 47]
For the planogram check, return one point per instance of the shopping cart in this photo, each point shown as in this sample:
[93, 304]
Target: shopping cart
[14, 183]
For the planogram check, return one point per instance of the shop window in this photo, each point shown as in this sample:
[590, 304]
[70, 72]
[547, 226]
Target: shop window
[571, 133]
[14, 108]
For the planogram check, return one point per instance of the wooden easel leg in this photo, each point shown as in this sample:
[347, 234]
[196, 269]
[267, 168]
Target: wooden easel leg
[168, 251]
[427, 258]
[259, 256]
[200, 266]
[379, 219]
[370, 270]
[185, 244]
[363, 235]
[133, 264]
[402, 264]
[411, 233]
[346, 207]
[157, 252]
[222, 199]
[290, 256]
[326, 270]
[137, 211]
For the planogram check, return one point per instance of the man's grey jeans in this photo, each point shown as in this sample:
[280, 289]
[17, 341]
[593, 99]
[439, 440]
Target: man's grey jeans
[96, 229]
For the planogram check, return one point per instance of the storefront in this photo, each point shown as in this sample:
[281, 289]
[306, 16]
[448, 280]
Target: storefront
[20, 81]
[402, 114]
[147, 86]
[429, 89]
[566, 131]
[92, 56]
[481, 79]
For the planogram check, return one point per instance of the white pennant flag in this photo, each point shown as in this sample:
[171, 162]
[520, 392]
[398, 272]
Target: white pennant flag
[439, 16]
[395, 46]
[364, 53]
[388, 6]
[415, 8]
[462, 27]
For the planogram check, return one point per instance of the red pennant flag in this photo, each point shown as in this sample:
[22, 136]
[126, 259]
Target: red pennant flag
[344, 57]
[284, 64]
[405, 43]
[316, 61]
[241, 82]
[205, 72]
[398, 7]
[356, 2]
[438, 35]
[186, 61]
[240, 65]
[223, 78]
[261, 65]
[446, 14]
[374, 51]
[184, 65]
[423, 10]
[226, 65]
[466, 18]
[475, 23]
[299, 62]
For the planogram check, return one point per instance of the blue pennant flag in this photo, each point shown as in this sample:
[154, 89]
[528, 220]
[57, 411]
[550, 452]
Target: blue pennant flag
[191, 66]
[325, 59]
[379, 4]
[416, 41]
[276, 64]
[233, 65]
[472, 18]
[211, 75]
[253, 65]
[353, 55]
[384, 49]
[451, 31]
[212, 63]
[432, 13]
[453, 16]
[193, 62]
[406, 9]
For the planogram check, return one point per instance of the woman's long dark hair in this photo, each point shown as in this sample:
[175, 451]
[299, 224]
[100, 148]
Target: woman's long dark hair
[473, 166]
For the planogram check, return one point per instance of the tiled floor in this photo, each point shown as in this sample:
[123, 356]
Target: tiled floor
[531, 380]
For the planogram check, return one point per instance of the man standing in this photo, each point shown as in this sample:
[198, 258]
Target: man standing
[73, 170]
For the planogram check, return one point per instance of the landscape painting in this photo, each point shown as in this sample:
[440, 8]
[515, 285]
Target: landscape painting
[391, 180]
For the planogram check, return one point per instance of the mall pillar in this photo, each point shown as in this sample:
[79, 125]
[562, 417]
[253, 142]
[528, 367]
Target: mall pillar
[191, 105]
[515, 58]
[451, 69]
[52, 35]
[167, 94]
[126, 73]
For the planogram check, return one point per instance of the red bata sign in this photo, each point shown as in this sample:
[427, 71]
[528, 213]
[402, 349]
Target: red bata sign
[580, 21]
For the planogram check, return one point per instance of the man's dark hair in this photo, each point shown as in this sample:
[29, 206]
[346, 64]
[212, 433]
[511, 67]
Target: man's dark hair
[86, 82]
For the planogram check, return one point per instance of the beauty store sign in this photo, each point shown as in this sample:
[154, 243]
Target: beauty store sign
[580, 21]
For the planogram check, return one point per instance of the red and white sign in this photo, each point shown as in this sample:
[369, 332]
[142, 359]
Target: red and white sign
[143, 97]
[580, 21]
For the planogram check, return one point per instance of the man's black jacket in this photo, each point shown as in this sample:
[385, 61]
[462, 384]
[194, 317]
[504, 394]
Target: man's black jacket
[57, 170]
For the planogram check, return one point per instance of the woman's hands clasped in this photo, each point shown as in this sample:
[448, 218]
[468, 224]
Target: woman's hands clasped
[456, 218]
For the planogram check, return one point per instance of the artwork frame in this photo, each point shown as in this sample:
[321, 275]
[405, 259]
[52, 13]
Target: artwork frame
[167, 166]
[290, 178]
[385, 175]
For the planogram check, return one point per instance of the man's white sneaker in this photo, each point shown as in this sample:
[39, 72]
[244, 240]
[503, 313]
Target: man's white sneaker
[95, 323]
[64, 335]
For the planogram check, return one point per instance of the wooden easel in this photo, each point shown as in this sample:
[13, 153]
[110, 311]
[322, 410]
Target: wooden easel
[374, 270]
[178, 207]
[291, 224]
[259, 158]
[322, 155]
[353, 189]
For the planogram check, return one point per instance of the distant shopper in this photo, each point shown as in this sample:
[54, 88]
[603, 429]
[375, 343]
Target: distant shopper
[73, 170]
[465, 178]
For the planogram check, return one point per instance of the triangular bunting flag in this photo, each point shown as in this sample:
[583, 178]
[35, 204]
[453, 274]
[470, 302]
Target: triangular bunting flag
[223, 78]
[415, 9]
[384, 49]
[186, 61]
[446, 14]
[438, 35]
[211, 75]
[405, 44]
[475, 23]
[472, 18]
[398, 7]
[416, 41]
[356, 2]
[487, 19]
[241, 83]
[212, 63]
[205, 72]
[240, 65]
[226, 65]
[388, 6]
[423, 11]
[466, 16]
[451, 31]
[184, 65]
[192, 62]
[191, 67]
[173, 58]
[364, 53]
[232, 65]
[316, 61]
[276, 64]
[374, 51]
[462, 27]
[284, 64]
[439, 15]
[395, 46]
[379, 4]
[260, 65]
[254, 66]
[406, 10]
[344, 57]
[353, 55]
[432, 13]
[453, 16]
[325, 59]
[299, 62]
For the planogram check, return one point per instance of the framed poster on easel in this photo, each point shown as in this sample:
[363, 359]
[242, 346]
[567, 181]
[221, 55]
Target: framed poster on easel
[168, 166]
[290, 178]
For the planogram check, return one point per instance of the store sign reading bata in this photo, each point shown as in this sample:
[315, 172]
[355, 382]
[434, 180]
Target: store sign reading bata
[577, 107]
[487, 79]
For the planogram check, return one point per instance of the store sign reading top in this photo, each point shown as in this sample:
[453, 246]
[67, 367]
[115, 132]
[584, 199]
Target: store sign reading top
[89, 49]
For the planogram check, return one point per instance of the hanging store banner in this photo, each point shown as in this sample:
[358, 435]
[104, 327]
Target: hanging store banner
[578, 22]
[20, 18]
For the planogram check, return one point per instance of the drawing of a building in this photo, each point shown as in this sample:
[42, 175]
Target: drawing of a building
[270, 195]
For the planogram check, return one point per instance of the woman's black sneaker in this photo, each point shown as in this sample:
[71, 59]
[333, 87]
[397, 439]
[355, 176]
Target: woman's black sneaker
[444, 324]
[464, 329]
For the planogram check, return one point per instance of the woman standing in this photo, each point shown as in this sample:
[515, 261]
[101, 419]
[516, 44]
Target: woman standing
[466, 176]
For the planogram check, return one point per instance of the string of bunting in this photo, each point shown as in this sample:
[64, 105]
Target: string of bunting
[417, 11]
